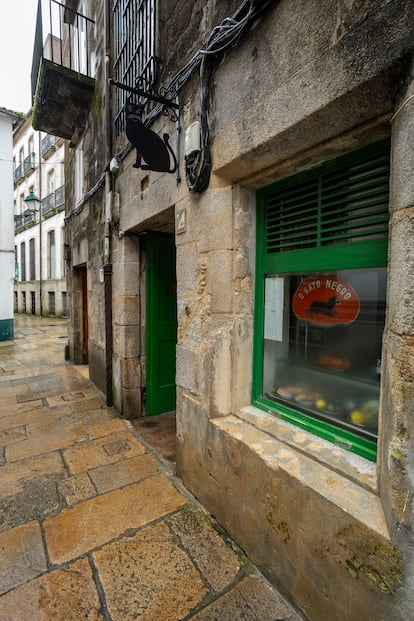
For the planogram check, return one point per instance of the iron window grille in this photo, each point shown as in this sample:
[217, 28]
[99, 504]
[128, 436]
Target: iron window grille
[135, 61]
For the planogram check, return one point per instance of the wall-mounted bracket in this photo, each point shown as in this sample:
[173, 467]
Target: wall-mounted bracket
[166, 97]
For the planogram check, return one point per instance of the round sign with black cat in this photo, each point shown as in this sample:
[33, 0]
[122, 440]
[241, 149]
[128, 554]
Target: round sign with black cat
[326, 300]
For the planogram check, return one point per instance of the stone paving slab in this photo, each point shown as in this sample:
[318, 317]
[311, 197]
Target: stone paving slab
[148, 576]
[46, 444]
[67, 594]
[251, 600]
[98, 520]
[13, 410]
[212, 555]
[13, 476]
[104, 450]
[76, 489]
[94, 526]
[22, 556]
[109, 477]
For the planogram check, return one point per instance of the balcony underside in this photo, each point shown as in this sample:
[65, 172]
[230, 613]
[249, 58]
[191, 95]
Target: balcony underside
[62, 102]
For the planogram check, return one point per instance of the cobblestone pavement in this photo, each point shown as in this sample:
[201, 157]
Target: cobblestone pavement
[93, 523]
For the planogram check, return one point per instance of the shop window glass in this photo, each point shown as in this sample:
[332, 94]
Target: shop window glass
[322, 352]
[321, 294]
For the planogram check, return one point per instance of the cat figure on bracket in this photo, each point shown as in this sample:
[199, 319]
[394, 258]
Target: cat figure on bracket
[150, 147]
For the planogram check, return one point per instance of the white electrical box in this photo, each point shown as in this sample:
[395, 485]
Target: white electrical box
[192, 139]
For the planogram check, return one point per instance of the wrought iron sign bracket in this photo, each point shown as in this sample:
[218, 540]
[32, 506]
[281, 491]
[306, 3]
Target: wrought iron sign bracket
[153, 153]
[165, 98]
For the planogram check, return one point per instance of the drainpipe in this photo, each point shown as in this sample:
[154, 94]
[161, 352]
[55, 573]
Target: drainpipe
[107, 265]
[40, 227]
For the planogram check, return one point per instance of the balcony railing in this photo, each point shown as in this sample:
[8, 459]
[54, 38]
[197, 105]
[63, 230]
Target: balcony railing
[48, 203]
[18, 173]
[62, 85]
[53, 200]
[60, 196]
[28, 217]
[29, 163]
[47, 143]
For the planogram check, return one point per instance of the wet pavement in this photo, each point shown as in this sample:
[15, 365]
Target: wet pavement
[94, 525]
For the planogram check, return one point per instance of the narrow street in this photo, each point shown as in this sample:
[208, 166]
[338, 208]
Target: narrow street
[94, 525]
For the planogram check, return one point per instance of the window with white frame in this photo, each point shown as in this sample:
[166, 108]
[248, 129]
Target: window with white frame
[51, 181]
[134, 53]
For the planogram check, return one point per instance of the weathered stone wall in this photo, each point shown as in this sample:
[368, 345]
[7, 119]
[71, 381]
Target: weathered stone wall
[311, 81]
[310, 91]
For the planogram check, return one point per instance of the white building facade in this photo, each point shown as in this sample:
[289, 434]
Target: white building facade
[40, 278]
[7, 119]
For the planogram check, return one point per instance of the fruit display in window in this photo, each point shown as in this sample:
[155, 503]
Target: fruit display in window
[357, 417]
[358, 412]
[367, 414]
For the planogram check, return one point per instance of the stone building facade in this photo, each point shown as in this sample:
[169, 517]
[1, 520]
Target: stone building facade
[181, 285]
[40, 272]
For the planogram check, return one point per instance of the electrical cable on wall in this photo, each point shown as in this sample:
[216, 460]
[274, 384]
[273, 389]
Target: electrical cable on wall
[222, 38]
[198, 163]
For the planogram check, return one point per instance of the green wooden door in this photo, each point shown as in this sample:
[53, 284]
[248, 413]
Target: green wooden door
[161, 323]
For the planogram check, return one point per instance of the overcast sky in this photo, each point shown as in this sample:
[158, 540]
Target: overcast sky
[17, 27]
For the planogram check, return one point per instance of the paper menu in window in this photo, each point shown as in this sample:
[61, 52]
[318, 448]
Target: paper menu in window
[273, 314]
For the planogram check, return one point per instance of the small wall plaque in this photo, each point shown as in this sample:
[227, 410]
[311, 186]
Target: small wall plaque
[181, 221]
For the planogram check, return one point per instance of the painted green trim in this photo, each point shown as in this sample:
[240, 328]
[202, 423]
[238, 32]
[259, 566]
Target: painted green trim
[369, 253]
[379, 149]
[161, 323]
[6, 329]
[341, 437]
[364, 254]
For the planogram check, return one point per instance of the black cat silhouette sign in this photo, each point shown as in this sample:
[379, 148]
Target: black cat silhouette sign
[155, 151]
[326, 300]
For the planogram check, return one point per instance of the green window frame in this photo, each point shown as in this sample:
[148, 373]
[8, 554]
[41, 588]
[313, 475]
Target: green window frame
[333, 217]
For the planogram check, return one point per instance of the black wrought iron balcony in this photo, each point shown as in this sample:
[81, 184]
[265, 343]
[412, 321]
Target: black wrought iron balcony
[29, 216]
[54, 200]
[62, 85]
[18, 221]
[48, 203]
[29, 163]
[48, 142]
[60, 196]
[18, 173]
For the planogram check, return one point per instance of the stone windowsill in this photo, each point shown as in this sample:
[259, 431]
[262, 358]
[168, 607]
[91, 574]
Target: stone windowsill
[345, 479]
